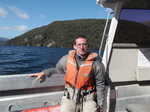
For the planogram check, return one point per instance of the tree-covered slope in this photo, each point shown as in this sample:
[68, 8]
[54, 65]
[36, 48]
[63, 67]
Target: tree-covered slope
[62, 33]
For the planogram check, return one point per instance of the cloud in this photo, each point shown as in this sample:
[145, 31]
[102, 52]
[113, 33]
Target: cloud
[19, 13]
[21, 28]
[3, 12]
[15, 28]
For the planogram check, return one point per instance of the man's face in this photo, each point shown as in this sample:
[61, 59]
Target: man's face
[81, 46]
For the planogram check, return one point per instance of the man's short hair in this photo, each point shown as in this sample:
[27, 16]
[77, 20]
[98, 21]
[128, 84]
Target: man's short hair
[80, 36]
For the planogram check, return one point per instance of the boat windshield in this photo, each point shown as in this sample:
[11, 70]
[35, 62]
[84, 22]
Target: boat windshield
[133, 27]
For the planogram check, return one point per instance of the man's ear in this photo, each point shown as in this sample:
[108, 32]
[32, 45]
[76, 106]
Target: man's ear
[74, 46]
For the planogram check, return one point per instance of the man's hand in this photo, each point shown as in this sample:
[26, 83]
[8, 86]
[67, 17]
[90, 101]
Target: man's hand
[99, 109]
[39, 76]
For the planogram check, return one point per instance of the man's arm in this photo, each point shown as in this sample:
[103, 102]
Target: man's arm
[61, 65]
[59, 69]
[99, 71]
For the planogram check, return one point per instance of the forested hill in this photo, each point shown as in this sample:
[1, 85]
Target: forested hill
[62, 33]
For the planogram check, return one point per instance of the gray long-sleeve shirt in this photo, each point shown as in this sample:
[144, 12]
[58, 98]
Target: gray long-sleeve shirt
[98, 72]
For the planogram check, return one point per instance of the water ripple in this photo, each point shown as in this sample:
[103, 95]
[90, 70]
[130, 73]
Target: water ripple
[20, 60]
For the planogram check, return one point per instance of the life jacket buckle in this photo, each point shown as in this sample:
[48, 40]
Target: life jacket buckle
[87, 92]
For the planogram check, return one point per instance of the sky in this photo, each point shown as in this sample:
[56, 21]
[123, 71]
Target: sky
[20, 16]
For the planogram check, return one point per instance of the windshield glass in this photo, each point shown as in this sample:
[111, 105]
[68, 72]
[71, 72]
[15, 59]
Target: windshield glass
[133, 27]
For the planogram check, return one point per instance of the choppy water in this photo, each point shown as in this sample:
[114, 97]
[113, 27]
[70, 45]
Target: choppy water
[20, 59]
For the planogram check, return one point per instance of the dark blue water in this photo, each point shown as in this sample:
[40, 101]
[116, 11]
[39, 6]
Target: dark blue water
[21, 60]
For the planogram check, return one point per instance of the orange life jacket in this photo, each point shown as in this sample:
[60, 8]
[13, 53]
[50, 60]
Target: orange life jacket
[79, 77]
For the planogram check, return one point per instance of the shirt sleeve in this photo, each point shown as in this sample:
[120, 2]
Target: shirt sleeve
[59, 69]
[61, 65]
[99, 72]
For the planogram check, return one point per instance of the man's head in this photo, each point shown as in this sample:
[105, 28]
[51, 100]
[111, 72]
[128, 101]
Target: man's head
[81, 45]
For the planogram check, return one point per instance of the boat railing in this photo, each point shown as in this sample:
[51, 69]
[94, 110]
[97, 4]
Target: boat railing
[19, 92]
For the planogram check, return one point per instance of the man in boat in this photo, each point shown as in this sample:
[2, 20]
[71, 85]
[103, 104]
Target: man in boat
[84, 79]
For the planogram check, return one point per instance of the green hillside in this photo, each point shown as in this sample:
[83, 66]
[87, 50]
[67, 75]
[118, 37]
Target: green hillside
[62, 33]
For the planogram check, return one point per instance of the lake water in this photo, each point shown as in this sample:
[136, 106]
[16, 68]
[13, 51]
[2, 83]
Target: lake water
[22, 60]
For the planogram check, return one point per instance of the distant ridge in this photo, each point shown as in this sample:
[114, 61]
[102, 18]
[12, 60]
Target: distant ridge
[62, 33]
[3, 39]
